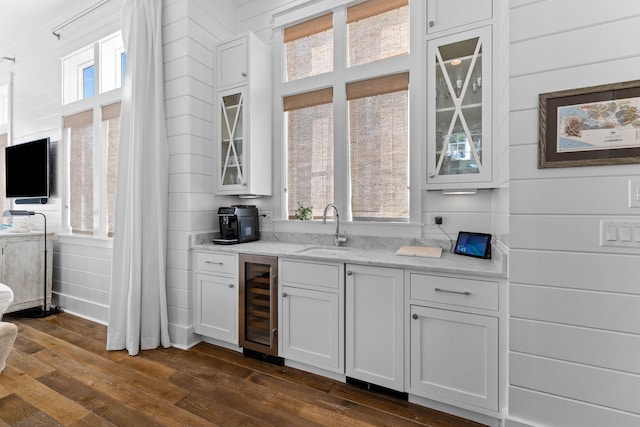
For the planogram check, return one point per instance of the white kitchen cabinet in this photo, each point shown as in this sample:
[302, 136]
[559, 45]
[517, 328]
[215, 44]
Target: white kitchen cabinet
[454, 341]
[233, 62]
[244, 117]
[312, 313]
[216, 296]
[22, 269]
[460, 152]
[444, 15]
[374, 325]
[454, 356]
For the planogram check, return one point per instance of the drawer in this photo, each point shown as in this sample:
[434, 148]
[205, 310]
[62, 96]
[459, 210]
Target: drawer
[217, 263]
[311, 274]
[455, 290]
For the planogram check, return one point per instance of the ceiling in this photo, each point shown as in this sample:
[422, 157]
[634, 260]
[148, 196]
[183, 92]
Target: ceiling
[20, 18]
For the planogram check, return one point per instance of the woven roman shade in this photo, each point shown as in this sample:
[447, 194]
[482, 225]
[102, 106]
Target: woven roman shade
[308, 99]
[111, 111]
[370, 8]
[77, 120]
[378, 86]
[307, 28]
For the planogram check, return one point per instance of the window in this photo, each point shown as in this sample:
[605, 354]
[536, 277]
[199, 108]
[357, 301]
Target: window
[348, 143]
[377, 30]
[310, 149]
[103, 62]
[79, 130]
[4, 121]
[379, 148]
[88, 89]
[91, 132]
[309, 48]
[3, 198]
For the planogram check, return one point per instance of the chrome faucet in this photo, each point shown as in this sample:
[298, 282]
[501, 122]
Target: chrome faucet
[337, 238]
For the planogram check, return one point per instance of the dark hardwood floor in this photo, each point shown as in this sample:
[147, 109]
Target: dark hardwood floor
[59, 373]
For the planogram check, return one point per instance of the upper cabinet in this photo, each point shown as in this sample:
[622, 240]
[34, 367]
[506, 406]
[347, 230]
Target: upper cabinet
[447, 14]
[243, 142]
[233, 62]
[460, 95]
[459, 111]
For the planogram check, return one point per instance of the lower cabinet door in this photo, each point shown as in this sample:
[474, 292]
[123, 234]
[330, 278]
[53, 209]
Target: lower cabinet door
[454, 357]
[374, 325]
[217, 307]
[312, 328]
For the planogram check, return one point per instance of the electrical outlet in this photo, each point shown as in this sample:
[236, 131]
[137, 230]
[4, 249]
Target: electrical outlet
[438, 220]
[432, 220]
[266, 220]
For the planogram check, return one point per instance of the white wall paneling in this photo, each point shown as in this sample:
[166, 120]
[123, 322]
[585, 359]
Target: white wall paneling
[587, 346]
[617, 390]
[574, 335]
[559, 411]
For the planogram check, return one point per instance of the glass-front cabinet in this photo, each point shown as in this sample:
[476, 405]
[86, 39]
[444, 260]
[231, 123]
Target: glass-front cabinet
[232, 168]
[459, 106]
[243, 117]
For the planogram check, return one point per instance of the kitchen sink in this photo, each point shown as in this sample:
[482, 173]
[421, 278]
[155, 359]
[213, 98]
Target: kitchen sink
[324, 250]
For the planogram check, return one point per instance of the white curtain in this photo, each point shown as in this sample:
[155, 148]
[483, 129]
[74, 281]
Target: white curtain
[138, 306]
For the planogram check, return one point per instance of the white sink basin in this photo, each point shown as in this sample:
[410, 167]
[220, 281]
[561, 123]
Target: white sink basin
[325, 250]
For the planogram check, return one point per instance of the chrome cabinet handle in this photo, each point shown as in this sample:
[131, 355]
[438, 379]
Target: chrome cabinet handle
[231, 285]
[244, 74]
[213, 262]
[452, 292]
[349, 273]
[432, 23]
[284, 295]
[431, 174]
[415, 316]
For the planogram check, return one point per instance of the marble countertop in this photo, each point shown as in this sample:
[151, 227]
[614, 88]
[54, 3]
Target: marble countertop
[448, 263]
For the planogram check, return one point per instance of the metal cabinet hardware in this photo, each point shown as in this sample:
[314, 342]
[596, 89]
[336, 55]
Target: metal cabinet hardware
[415, 316]
[452, 292]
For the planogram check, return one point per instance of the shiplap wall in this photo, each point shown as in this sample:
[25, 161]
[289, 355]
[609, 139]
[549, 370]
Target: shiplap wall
[574, 306]
[191, 29]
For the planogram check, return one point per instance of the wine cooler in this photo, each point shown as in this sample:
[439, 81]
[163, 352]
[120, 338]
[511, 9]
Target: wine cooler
[259, 304]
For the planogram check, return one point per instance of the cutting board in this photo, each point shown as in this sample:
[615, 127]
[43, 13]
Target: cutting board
[423, 251]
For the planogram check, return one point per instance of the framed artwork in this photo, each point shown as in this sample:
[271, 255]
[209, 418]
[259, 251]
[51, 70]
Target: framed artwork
[598, 125]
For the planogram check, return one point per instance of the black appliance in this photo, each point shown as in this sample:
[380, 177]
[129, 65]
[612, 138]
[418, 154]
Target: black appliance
[238, 224]
[28, 171]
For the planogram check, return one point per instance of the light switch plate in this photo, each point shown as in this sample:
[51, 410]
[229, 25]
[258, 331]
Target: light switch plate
[634, 193]
[620, 233]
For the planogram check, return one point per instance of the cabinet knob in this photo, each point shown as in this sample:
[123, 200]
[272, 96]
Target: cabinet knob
[244, 74]
[349, 273]
[415, 316]
[231, 285]
[284, 295]
[432, 23]
[431, 174]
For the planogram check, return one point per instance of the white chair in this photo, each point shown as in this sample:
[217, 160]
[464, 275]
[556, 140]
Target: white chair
[8, 331]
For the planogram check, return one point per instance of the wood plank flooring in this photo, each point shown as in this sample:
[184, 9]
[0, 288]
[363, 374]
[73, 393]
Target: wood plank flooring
[59, 373]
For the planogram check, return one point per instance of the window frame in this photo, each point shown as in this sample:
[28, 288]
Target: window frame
[413, 62]
[96, 103]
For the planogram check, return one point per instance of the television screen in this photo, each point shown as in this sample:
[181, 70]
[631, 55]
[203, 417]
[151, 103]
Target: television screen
[27, 169]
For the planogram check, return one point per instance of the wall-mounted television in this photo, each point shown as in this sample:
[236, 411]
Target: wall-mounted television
[28, 169]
